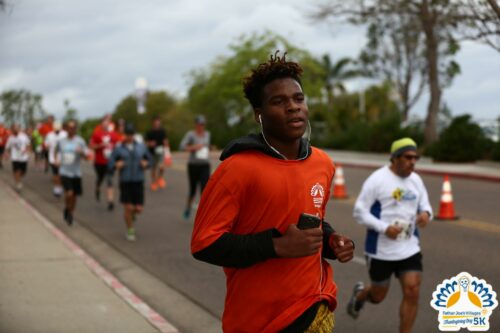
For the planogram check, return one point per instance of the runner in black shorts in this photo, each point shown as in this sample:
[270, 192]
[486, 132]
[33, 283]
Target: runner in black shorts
[73, 184]
[132, 193]
[20, 167]
[393, 205]
[381, 270]
[130, 159]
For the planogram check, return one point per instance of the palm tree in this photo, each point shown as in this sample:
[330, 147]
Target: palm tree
[335, 75]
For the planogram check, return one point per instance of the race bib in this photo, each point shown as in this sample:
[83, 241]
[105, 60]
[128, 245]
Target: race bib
[405, 234]
[68, 158]
[107, 153]
[202, 154]
[159, 150]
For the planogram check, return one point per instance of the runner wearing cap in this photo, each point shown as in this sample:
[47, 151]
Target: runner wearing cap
[197, 143]
[130, 158]
[392, 204]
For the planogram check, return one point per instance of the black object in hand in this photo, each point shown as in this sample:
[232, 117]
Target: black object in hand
[308, 221]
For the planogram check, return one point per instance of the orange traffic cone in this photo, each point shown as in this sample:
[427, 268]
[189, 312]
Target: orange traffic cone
[446, 207]
[339, 189]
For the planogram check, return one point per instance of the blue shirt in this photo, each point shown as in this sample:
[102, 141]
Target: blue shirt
[131, 155]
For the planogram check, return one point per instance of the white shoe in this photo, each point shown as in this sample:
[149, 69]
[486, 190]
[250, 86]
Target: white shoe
[19, 187]
[131, 235]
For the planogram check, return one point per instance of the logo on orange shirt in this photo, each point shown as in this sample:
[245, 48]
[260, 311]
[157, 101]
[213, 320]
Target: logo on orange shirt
[318, 194]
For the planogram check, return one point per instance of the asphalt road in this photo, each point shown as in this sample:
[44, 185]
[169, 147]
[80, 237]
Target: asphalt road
[162, 248]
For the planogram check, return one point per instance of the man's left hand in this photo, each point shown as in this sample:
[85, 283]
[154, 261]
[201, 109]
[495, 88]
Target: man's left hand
[342, 246]
[422, 219]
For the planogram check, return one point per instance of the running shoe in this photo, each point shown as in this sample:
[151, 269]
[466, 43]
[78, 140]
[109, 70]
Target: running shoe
[65, 214]
[154, 186]
[354, 306]
[19, 186]
[111, 206]
[97, 195]
[57, 191]
[187, 213]
[131, 235]
[162, 183]
[69, 217]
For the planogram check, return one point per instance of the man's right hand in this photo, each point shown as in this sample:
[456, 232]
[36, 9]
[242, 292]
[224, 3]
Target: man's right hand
[393, 231]
[298, 243]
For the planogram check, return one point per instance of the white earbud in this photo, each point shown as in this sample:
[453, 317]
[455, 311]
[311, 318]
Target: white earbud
[260, 119]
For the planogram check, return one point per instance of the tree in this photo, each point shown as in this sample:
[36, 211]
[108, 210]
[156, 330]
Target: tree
[158, 103]
[394, 51]
[216, 91]
[335, 76]
[462, 141]
[441, 24]
[70, 112]
[486, 29]
[21, 107]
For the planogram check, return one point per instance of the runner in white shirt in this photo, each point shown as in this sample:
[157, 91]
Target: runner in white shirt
[18, 147]
[51, 141]
[69, 153]
[393, 204]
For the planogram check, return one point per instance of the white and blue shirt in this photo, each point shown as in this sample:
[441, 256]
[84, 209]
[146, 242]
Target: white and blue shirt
[71, 150]
[388, 199]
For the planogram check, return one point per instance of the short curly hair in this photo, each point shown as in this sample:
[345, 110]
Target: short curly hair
[275, 68]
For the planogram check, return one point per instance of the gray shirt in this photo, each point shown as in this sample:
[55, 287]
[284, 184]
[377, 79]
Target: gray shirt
[71, 150]
[200, 156]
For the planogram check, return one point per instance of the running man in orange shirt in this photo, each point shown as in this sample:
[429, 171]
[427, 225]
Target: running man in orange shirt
[277, 277]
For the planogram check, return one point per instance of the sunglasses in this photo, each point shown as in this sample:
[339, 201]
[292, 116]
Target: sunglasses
[411, 157]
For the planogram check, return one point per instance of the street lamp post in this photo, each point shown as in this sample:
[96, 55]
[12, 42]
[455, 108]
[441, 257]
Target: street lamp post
[141, 86]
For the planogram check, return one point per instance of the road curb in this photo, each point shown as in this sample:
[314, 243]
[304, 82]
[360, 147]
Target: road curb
[425, 171]
[183, 312]
[154, 318]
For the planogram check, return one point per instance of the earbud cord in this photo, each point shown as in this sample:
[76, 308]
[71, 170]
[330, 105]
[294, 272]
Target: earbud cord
[276, 150]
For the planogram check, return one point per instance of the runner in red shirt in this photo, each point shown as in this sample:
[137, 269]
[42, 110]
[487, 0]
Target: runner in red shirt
[102, 141]
[4, 136]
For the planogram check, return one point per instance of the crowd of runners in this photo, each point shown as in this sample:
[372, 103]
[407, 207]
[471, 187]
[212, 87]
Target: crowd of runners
[261, 216]
[115, 149]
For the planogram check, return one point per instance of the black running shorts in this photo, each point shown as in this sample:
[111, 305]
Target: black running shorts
[20, 166]
[132, 193]
[381, 270]
[72, 184]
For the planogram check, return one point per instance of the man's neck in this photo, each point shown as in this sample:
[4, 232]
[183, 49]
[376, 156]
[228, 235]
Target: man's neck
[290, 150]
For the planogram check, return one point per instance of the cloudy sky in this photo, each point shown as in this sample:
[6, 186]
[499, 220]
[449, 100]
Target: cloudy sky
[91, 52]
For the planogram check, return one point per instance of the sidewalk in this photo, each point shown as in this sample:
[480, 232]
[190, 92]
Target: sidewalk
[45, 287]
[482, 170]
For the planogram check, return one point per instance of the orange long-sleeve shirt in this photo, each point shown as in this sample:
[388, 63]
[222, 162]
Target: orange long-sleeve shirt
[251, 192]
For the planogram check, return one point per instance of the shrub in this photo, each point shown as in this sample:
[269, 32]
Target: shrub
[462, 141]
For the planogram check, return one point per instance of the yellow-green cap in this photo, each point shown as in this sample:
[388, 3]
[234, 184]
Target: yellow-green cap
[400, 146]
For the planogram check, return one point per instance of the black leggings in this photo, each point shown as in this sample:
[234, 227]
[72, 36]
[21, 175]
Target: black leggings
[101, 171]
[197, 173]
